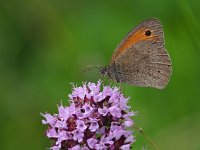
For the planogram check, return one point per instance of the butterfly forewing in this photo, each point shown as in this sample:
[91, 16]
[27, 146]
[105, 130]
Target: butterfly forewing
[137, 34]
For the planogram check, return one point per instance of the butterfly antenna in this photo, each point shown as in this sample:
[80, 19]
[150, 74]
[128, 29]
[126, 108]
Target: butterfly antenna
[139, 129]
[90, 67]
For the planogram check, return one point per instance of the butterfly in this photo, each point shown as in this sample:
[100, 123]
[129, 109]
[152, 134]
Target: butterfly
[141, 58]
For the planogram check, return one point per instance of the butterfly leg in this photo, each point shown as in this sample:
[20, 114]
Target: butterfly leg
[120, 86]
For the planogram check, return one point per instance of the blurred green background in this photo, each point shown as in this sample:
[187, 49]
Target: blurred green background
[44, 44]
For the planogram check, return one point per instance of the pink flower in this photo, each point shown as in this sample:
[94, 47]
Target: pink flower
[91, 142]
[94, 126]
[64, 112]
[95, 120]
[103, 111]
[81, 125]
[51, 120]
[77, 147]
[78, 136]
[51, 133]
[115, 111]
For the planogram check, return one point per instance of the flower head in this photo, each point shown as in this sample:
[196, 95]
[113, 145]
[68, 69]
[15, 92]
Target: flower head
[95, 119]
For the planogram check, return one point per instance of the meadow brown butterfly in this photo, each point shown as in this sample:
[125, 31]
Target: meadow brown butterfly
[141, 59]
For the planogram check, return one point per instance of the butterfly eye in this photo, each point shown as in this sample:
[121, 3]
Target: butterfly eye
[147, 32]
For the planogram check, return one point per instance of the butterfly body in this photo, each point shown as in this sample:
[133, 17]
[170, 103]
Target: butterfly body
[141, 58]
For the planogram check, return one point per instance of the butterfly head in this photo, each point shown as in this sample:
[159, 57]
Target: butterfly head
[111, 72]
[103, 71]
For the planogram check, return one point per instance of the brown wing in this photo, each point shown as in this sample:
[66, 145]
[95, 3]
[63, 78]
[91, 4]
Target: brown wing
[137, 34]
[145, 61]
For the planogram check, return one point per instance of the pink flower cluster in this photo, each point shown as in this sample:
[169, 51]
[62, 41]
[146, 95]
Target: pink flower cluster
[95, 120]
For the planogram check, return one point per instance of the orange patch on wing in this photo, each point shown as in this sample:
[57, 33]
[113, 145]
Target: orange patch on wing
[133, 39]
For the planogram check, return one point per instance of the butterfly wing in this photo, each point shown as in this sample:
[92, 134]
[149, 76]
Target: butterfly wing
[141, 58]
